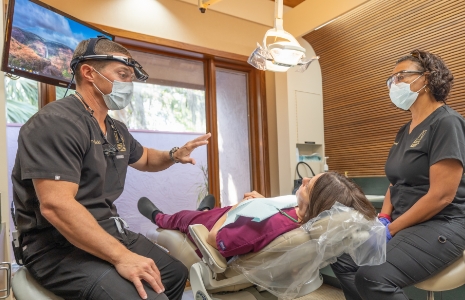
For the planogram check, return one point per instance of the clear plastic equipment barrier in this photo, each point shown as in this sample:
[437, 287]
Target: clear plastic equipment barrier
[287, 267]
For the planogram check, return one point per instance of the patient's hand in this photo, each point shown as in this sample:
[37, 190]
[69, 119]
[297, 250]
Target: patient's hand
[252, 195]
[248, 196]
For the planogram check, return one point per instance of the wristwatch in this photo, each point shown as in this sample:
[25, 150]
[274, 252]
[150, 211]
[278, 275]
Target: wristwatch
[172, 154]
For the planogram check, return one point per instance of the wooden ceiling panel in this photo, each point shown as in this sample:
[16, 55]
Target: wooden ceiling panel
[292, 3]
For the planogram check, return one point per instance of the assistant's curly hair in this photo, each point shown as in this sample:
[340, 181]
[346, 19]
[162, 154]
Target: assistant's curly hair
[440, 78]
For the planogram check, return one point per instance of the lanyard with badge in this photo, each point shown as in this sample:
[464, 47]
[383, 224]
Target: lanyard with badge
[110, 149]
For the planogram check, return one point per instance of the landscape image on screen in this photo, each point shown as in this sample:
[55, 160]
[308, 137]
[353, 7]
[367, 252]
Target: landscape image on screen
[42, 41]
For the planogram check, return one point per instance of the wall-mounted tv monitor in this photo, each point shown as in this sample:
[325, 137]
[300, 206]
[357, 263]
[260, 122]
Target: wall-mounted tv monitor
[40, 41]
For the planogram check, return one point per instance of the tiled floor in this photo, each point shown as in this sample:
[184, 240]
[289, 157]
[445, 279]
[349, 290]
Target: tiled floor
[188, 295]
[325, 292]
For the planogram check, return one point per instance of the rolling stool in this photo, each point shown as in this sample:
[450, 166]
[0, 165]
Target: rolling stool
[26, 288]
[448, 279]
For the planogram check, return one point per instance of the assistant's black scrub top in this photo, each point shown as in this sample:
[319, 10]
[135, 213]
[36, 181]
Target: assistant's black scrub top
[440, 136]
[63, 142]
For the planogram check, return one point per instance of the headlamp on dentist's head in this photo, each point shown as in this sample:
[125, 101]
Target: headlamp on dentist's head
[90, 54]
[139, 73]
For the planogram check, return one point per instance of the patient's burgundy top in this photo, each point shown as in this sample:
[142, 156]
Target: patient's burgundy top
[244, 235]
[241, 237]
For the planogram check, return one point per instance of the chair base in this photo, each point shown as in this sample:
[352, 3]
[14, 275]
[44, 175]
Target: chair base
[243, 290]
[430, 295]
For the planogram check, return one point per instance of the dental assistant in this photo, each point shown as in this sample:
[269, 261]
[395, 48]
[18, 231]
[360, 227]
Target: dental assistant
[424, 206]
[70, 167]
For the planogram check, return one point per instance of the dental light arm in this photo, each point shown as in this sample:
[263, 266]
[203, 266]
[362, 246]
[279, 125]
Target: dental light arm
[281, 55]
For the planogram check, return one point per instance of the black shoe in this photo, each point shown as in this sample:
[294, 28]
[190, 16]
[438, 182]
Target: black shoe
[148, 209]
[207, 203]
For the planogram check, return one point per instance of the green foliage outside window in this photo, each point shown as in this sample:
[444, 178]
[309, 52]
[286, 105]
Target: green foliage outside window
[153, 107]
[60, 92]
[202, 187]
[164, 108]
[21, 99]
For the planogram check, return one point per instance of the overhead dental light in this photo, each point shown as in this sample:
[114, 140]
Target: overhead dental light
[281, 55]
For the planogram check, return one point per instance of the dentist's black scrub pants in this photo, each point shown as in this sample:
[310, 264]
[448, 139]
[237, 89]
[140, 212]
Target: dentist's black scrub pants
[76, 274]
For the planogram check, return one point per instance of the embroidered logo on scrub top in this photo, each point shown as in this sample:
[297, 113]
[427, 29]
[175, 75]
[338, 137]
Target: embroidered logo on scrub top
[121, 146]
[96, 142]
[418, 139]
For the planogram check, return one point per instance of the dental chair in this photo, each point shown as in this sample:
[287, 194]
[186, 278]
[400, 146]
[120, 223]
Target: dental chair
[25, 287]
[211, 277]
[448, 279]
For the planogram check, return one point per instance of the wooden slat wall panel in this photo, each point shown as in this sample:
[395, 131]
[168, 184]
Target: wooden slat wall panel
[358, 52]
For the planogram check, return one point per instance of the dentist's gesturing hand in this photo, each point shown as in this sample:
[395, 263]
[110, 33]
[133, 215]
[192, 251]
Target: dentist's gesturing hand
[182, 155]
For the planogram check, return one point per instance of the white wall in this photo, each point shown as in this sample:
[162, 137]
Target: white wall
[245, 9]
[286, 86]
[170, 19]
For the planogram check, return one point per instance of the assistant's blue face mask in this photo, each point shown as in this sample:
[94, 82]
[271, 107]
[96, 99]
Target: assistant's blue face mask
[402, 96]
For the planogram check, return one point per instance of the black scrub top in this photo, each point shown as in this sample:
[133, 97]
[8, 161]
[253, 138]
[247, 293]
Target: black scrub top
[64, 142]
[440, 136]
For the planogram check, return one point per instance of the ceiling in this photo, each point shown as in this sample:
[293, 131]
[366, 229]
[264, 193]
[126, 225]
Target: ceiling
[292, 3]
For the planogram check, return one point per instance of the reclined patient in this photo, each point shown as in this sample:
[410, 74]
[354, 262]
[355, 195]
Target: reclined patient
[242, 234]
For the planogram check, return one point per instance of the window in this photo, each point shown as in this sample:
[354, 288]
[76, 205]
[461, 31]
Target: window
[166, 111]
[172, 99]
[233, 135]
[177, 104]
[164, 108]
[60, 92]
[21, 99]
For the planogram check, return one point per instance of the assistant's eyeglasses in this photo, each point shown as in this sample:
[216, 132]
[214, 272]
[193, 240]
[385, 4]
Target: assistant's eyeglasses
[400, 76]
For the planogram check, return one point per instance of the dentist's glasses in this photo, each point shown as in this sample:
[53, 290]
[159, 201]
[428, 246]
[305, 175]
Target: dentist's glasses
[400, 76]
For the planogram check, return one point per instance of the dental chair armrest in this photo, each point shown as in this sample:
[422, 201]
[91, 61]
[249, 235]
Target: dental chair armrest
[211, 256]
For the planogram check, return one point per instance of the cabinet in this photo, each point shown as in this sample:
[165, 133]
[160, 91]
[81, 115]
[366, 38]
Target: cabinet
[309, 118]
[309, 149]
[309, 129]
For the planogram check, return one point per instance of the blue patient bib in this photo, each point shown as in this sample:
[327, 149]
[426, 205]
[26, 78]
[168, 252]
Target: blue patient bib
[260, 208]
